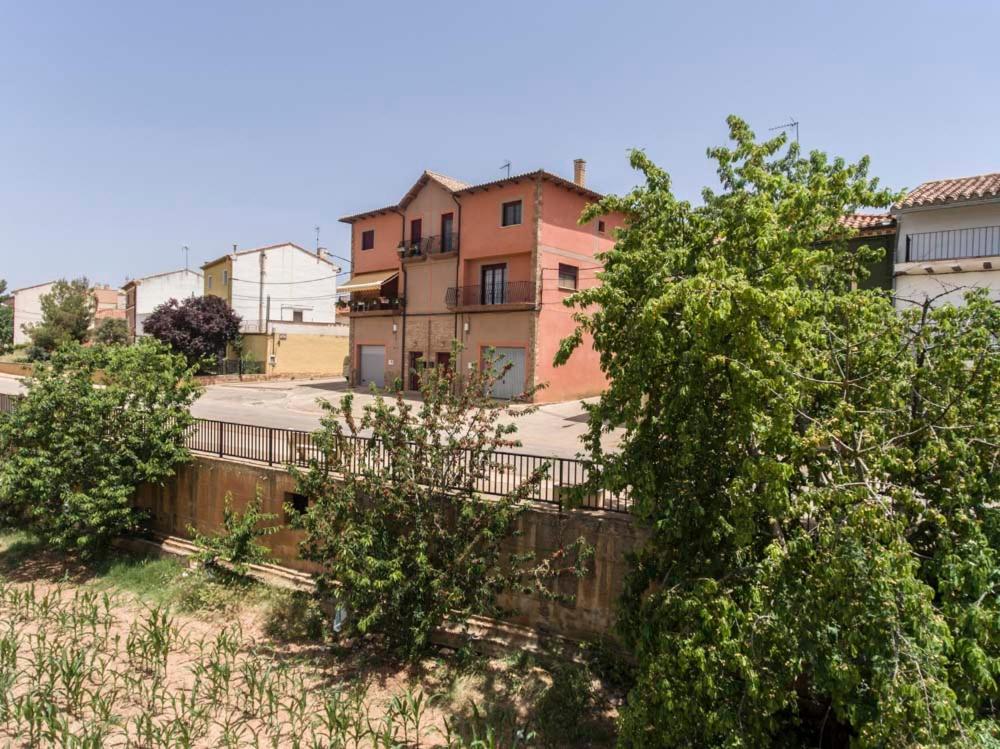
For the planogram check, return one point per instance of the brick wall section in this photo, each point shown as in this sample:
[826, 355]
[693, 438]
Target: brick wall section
[429, 334]
[196, 495]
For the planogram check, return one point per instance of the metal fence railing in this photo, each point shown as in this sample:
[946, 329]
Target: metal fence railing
[505, 471]
[952, 244]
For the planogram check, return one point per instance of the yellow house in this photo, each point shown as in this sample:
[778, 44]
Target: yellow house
[218, 278]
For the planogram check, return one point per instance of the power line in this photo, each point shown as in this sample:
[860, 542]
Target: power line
[286, 283]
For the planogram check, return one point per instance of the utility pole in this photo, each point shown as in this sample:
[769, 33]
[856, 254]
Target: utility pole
[260, 304]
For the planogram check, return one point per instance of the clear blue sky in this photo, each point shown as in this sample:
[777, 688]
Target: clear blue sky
[129, 129]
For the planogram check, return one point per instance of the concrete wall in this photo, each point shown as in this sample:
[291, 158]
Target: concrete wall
[195, 496]
[297, 354]
[427, 283]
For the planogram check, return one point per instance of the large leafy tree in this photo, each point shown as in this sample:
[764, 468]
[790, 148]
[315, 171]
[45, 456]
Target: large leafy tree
[6, 320]
[199, 327]
[67, 315]
[74, 451]
[818, 469]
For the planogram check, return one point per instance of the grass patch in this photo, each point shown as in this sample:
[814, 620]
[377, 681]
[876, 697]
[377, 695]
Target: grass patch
[150, 578]
[17, 548]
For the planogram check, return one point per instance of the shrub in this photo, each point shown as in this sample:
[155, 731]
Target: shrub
[75, 451]
[396, 522]
[111, 331]
[199, 327]
[234, 547]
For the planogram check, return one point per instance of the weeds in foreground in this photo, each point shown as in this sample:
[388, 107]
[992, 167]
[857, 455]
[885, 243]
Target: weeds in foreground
[75, 674]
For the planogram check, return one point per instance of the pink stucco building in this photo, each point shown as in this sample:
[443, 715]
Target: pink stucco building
[486, 264]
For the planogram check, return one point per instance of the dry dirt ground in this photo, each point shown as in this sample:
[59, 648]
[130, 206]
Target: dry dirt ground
[144, 653]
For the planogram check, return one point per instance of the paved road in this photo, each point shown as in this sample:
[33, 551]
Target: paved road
[553, 430]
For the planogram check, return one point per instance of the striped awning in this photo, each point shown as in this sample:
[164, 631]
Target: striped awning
[369, 281]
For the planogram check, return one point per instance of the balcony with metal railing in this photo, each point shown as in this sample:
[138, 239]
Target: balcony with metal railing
[497, 294]
[952, 244]
[360, 304]
[439, 244]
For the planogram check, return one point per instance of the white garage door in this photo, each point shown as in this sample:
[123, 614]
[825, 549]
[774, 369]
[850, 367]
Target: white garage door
[511, 384]
[373, 366]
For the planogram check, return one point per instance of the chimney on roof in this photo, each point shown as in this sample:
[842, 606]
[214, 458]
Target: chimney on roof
[580, 172]
[321, 252]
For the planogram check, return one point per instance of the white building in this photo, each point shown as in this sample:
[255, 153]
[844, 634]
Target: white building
[282, 287]
[28, 309]
[143, 295]
[948, 240]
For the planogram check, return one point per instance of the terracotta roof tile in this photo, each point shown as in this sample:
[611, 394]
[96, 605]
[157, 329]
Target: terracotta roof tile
[942, 191]
[449, 182]
[554, 178]
[870, 224]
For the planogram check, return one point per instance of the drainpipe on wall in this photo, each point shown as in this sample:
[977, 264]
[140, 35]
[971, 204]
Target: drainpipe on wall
[458, 260]
[406, 291]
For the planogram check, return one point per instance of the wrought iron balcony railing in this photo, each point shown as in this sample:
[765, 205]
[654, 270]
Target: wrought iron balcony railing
[952, 244]
[439, 244]
[510, 292]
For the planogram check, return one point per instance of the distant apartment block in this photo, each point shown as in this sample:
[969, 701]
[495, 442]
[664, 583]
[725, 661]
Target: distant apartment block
[948, 240]
[489, 265]
[143, 295]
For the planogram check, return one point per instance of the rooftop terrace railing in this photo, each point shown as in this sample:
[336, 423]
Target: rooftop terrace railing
[952, 244]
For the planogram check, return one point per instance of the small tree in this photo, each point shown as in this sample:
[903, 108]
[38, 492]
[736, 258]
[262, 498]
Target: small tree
[111, 331]
[6, 320]
[396, 521]
[199, 327]
[67, 315]
[75, 451]
[233, 548]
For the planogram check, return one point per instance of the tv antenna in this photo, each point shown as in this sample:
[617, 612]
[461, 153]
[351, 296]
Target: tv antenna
[792, 124]
[316, 229]
[506, 165]
[185, 249]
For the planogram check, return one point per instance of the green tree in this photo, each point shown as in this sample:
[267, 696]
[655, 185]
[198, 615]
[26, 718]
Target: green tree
[395, 518]
[67, 315]
[817, 468]
[6, 319]
[75, 451]
[111, 331]
[233, 548]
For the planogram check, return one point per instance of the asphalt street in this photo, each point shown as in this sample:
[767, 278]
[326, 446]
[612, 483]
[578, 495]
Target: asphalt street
[552, 430]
